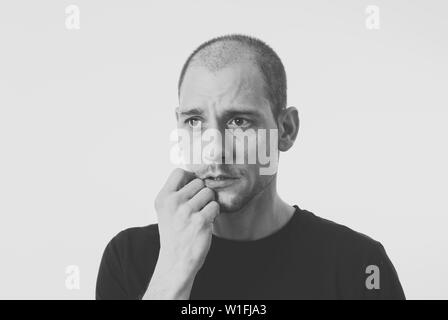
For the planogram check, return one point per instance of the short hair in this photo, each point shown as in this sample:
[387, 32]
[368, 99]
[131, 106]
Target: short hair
[221, 51]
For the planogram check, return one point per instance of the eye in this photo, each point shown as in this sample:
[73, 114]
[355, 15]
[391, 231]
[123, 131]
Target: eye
[239, 122]
[194, 122]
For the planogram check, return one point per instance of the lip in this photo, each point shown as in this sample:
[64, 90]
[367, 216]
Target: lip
[219, 181]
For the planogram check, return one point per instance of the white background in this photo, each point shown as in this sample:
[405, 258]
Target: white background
[85, 117]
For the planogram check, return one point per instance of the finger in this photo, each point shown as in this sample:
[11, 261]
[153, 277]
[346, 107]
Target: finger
[191, 189]
[177, 179]
[201, 199]
[210, 211]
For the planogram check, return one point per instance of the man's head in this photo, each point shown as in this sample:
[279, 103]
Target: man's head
[235, 82]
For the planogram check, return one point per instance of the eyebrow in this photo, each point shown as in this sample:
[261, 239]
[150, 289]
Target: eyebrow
[190, 112]
[232, 113]
[227, 113]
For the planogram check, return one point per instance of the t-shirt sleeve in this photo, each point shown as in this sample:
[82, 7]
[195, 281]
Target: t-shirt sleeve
[381, 278]
[110, 280]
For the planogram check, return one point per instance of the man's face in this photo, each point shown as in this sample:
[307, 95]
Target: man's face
[232, 98]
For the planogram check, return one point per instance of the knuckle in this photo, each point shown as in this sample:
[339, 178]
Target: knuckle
[185, 208]
[179, 222]
[200, 220]
[174, 198]
[164, 201]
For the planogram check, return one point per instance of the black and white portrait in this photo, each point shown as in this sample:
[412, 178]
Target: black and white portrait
[211, 150]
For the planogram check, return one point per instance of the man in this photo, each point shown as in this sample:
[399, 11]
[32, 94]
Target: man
[223, 232]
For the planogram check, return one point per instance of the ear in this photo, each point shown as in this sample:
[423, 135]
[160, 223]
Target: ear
[288, 128]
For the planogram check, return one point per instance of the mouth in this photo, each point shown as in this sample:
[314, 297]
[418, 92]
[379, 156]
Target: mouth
[219, 181]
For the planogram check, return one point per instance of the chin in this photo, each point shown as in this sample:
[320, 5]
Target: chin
[230, 202]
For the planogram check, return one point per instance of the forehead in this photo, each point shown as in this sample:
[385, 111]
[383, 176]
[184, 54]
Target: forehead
[235, 86]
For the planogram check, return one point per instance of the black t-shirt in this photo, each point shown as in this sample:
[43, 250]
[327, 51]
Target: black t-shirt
[309, 258]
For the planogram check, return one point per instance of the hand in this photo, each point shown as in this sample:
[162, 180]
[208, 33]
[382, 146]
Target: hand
[186, 210]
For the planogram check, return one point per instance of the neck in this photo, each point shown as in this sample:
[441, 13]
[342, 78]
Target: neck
[263, 215]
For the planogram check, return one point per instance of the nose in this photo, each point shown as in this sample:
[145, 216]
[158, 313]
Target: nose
[214, 151]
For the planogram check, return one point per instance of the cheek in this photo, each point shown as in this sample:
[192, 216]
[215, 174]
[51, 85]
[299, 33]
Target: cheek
[244, 147]
[189, 146]
[253, 147]
[253, 179]
[261, 144]
[249, 177]
[256, 144]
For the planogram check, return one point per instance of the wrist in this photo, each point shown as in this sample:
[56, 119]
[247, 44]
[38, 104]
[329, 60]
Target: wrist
[172, 279]
[176, 265]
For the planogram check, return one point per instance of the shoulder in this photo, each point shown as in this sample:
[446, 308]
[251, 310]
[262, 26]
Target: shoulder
[128, 262]
[137, 234]
[337, 238]
[351, 256]
[133, 242]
